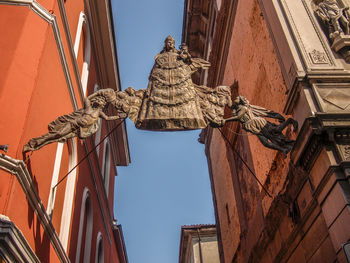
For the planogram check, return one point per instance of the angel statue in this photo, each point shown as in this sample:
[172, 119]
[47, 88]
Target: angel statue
[270, 134]
[83, 122]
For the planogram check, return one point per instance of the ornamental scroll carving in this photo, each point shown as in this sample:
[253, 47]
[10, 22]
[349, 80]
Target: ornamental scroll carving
[334, 17]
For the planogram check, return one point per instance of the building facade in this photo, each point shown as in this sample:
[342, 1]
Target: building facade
[199, 244]
[56, 204]
[291, 57]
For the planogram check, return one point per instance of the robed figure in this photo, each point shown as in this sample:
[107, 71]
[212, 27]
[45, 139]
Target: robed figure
[171, 101]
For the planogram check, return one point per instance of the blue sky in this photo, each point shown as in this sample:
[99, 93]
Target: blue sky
[167, 184]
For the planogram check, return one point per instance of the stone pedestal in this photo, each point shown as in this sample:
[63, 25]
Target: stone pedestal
[341, 44]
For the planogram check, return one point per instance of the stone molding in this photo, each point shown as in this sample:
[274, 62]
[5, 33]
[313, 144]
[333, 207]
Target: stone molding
[71, 48]
[13, 245]
[18, 168]
[304, 52]
[329, 128]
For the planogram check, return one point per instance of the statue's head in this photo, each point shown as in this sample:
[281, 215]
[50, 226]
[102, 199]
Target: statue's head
[225, 92]
[240, 100]
[169, 43]
[130, 91]
[98, 102]
[184, 47]
[140, 93]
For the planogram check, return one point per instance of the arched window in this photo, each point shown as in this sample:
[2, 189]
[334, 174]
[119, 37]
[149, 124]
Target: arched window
[106, 165]
[83, 28]
[85, 229]
[99, 258]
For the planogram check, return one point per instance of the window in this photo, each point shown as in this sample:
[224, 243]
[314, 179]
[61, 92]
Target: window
[85, 229]
[106, 165]
[99, 249]
[83, 28]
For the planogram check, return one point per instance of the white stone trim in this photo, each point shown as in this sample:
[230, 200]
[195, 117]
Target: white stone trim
[82, 19]
[83, 25]
[54, 180]
[18, 168]
[51, 19]
[67, 211]
[70, 47]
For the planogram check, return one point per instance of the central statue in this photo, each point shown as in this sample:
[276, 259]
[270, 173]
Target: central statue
[171, 101]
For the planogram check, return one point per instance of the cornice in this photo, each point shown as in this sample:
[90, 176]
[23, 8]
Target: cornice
[13, 245]
[19, 169]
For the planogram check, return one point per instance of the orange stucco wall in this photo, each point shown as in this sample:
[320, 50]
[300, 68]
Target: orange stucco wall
[34, 92]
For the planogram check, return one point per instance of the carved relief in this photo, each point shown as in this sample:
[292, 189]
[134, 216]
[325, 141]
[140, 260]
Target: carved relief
[311, 152]
[335, 19]
[347, 152]
[342, 138]
[344, 151]
[318, 57]
[212, 103]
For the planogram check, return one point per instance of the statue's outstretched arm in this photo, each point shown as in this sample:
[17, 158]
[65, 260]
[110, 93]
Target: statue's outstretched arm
[108, 118]
[234, 118]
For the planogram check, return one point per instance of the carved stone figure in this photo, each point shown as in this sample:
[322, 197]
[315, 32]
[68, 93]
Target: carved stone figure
[171, 101]
[128, 103]
[337, 22]
[252, 120]
[84, 122]
[213, 102]
[334, 16]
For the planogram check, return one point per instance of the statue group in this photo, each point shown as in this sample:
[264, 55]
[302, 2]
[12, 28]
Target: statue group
[85, 122]
[172, 102]
[335, 18]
